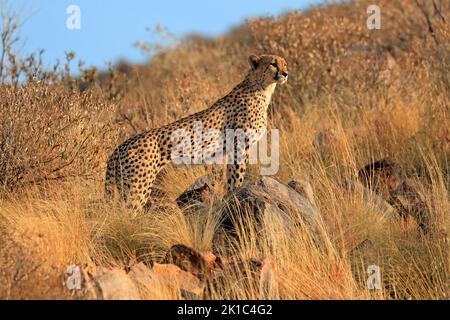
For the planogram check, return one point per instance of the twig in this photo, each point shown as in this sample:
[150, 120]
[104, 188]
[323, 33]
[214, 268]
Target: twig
[438, 11]
[427, 18]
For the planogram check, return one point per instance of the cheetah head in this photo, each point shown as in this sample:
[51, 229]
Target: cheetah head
[268, 69]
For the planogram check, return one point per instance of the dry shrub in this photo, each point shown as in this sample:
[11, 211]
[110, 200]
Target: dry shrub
[48, 133]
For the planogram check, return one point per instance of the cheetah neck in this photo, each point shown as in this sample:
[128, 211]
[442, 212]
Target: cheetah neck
[250, 83]
[258, 89]
[269, 90]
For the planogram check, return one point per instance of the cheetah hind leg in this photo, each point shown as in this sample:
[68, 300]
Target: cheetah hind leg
[136, 197]
[156, 194]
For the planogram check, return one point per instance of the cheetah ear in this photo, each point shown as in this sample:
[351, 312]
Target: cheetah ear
[253, 60]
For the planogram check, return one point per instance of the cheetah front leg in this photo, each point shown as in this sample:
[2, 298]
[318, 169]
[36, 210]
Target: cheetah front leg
[236, 170]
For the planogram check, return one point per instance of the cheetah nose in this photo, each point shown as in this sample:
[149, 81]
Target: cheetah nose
[285, 74]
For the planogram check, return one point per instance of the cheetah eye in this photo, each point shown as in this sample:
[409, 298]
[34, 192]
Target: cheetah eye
[274, 65]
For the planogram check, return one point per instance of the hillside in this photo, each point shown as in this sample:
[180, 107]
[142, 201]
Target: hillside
[353, 96]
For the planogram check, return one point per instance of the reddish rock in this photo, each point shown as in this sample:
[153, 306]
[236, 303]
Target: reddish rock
[109, 284]
[200, 193]
[175, 279]
[406, 195]
[383, 176]
[409, 200]
[201, 265]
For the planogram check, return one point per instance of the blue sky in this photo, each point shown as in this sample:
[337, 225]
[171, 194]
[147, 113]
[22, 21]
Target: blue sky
[109, 28]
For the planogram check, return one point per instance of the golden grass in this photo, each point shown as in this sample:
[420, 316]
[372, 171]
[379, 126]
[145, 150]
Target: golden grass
[70, 224]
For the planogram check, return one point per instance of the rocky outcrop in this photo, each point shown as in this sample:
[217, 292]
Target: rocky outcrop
[108, 284]
[269, 199]
[383, 177]
[158, 282]
[184, 274]
[200, 194]
[409, 199]
[165, 280]
[388, 179]
[187, 259]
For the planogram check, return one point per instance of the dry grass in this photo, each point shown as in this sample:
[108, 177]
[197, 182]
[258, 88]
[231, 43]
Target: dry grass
[343, 106]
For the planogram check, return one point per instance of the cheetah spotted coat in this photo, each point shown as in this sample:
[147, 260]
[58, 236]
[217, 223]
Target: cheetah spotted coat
[134, 165]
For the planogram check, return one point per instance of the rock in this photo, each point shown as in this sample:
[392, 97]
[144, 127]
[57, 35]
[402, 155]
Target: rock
[162, 281]
[109, 284]
[176, 279]
[188, 295]
[200, 194]
[140, 273]
[268, 284]
[409, 199]
[371, 199]
[303, 188]
[192, 261]
[406, 195]
[287, 198]
[206, 267]
[383, 177]
[212, 261]
[165, 281]
[269, 199]
[255, 273]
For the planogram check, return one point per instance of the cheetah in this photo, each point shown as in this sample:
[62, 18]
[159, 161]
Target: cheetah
[134, 165]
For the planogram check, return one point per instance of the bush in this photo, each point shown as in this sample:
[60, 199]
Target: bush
[47, 133]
